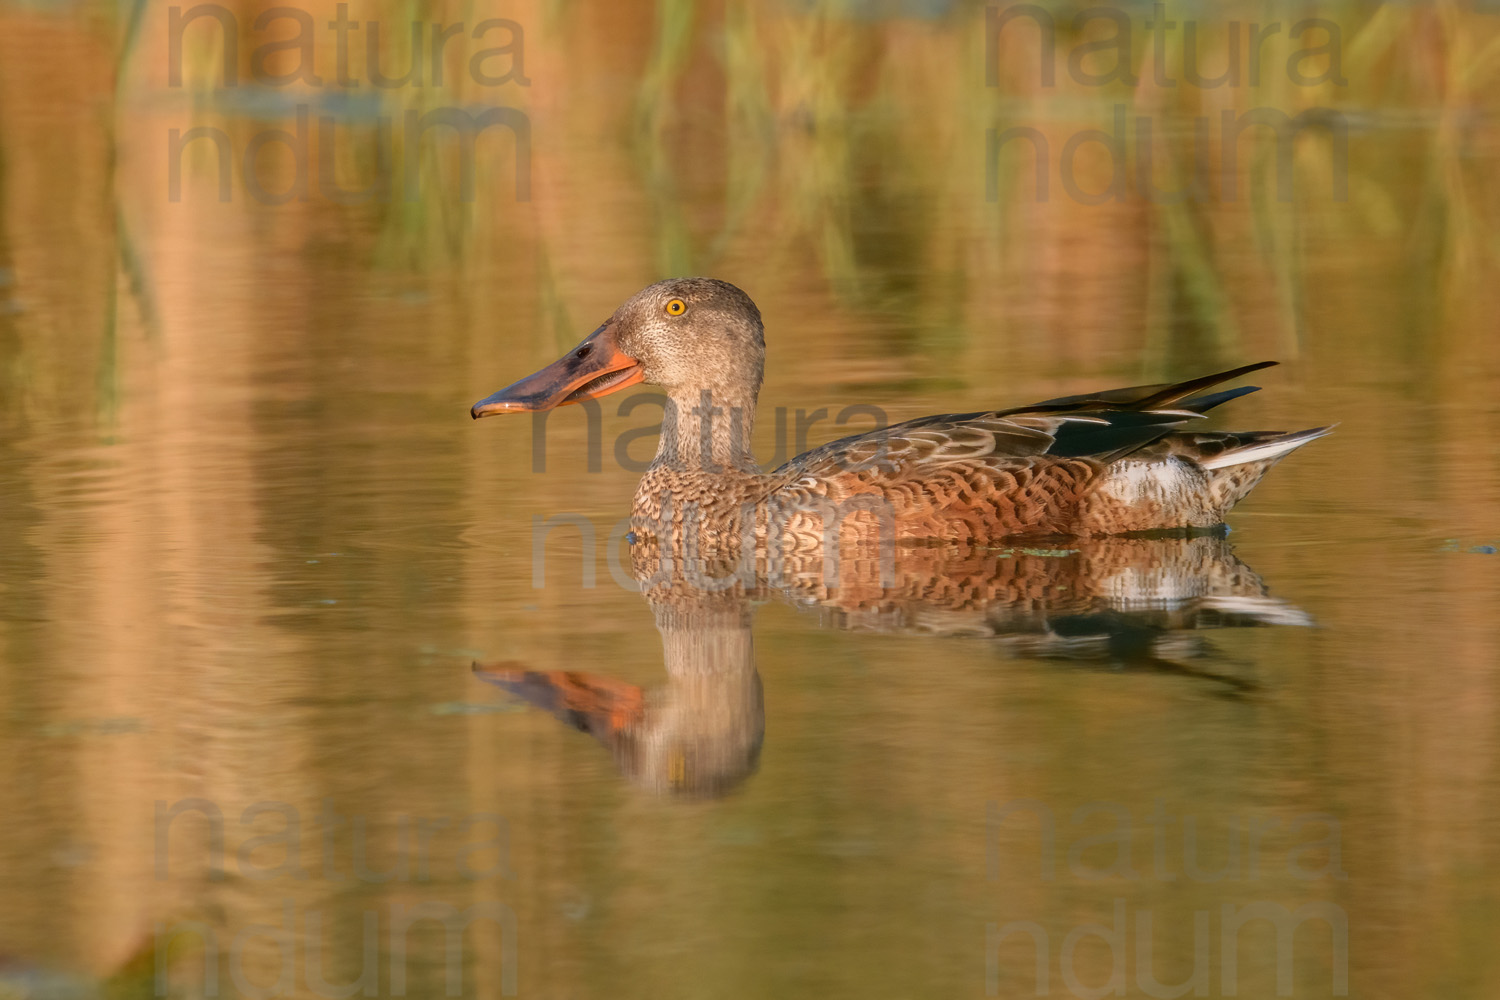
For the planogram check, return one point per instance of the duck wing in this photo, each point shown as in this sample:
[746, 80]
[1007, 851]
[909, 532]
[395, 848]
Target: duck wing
[1101, 426]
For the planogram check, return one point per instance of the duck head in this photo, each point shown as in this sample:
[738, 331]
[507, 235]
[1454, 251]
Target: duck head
[686, 335]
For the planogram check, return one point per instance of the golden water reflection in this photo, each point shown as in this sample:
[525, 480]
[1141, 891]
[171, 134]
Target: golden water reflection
[252, 543]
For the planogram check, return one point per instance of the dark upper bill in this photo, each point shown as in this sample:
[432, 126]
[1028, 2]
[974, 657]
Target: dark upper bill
[594, 368]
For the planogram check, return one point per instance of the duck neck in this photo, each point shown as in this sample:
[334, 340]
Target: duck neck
[708, 430]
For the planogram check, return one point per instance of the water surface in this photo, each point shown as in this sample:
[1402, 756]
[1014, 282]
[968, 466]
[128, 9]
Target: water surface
[253, 545]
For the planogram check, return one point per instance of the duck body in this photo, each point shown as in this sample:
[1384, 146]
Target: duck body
[1108, 463]
[977, 477]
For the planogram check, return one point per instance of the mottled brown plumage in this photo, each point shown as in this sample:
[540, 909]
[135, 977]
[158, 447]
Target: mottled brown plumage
[1099, 464]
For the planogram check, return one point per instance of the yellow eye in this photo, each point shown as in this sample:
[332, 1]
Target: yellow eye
[676, 307]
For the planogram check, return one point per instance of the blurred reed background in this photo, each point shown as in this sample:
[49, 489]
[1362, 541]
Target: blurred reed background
[251, 541]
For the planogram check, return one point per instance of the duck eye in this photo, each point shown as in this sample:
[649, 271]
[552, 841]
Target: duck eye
[676, 307]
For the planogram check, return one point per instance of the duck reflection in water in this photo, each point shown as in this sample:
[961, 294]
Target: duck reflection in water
[1110, 603]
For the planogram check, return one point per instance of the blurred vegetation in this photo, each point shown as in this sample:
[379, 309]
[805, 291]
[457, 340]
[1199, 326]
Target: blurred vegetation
[241, 502]
[855, 135]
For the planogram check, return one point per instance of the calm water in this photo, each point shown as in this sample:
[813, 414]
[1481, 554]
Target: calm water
[253, 545]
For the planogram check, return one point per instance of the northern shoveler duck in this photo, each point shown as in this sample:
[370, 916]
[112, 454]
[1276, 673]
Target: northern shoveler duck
[1098, 464]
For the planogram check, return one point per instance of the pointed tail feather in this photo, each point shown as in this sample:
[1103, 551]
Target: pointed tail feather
[1181, 390]
[1202, 404]
[1150, 397]
[1264, 449]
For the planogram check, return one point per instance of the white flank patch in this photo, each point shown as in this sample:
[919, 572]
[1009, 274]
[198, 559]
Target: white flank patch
[1133, 482]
